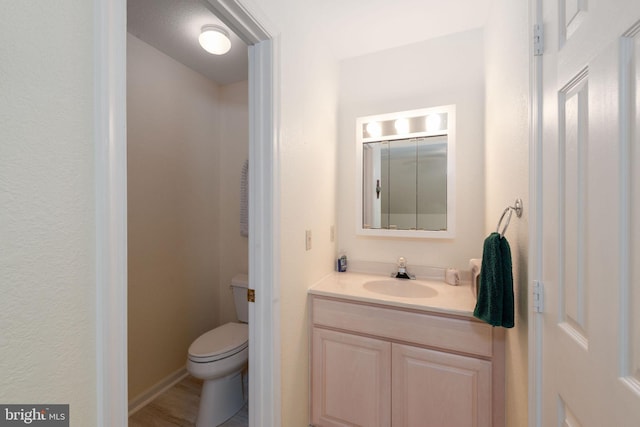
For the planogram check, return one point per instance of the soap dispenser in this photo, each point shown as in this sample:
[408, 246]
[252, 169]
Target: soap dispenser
[341, 263]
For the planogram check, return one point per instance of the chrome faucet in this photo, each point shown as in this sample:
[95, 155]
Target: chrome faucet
[402, 270]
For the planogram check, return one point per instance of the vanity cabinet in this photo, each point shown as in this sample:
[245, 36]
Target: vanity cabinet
[378, 366]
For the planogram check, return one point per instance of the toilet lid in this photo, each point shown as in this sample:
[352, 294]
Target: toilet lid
[220, 342]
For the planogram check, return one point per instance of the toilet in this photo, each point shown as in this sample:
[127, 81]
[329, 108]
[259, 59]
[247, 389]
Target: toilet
[220, 357]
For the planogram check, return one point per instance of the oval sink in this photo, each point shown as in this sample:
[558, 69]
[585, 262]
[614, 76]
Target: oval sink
[401, 288]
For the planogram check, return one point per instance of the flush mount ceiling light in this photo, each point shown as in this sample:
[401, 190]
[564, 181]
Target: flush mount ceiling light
[214, 40]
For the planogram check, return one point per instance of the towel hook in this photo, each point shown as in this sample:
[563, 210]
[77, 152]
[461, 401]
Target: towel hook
[518, 208]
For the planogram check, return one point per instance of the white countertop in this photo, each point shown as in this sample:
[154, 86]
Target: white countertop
[449, 299]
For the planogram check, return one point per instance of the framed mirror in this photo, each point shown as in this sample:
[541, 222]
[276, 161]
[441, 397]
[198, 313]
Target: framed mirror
[406, 173]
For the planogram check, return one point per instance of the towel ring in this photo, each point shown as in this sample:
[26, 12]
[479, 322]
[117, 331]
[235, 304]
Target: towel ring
[518, 208]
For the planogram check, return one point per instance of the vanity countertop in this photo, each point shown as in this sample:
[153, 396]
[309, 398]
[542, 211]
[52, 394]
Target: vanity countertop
[448, 299]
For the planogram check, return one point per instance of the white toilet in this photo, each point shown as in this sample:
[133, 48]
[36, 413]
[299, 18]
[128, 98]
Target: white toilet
[219, 357]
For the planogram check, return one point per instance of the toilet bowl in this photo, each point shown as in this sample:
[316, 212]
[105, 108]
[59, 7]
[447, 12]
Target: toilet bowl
[219, 357]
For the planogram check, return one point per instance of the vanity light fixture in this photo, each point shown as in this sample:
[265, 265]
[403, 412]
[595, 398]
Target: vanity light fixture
[374, 129]
[402, 126]
[215, 39]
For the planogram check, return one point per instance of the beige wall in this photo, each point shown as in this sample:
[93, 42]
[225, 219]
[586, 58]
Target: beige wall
[187, 139]
[442, 71]
[234, 145]
[47, 214]
[507, 172]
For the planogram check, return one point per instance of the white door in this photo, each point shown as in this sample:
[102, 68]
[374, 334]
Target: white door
[590, 207]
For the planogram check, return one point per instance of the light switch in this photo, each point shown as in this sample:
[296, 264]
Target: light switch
[307, 236]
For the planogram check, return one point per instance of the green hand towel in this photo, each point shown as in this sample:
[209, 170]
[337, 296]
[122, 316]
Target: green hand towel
[495, 296]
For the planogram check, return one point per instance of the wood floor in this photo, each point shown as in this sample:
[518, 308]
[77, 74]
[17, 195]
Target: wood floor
[178, 406]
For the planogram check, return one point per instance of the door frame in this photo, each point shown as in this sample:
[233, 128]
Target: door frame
[110, 162]
[535, 217]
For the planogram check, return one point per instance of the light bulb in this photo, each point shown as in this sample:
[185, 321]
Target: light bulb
[374, 129]
[402, 126]
[434, 122]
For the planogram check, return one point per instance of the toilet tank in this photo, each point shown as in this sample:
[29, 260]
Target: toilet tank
[239, 285]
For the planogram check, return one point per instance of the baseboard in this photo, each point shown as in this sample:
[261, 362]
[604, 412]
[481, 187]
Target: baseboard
[157, 389]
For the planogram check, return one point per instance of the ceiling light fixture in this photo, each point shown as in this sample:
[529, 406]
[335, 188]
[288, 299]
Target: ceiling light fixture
[215, 40]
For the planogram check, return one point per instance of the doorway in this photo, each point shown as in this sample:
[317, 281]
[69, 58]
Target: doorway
[187, 143]
[111, 211]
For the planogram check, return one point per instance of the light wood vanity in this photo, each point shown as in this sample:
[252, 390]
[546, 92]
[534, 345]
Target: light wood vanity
[393, 361]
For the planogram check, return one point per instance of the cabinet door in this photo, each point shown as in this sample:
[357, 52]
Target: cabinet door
[435, 389]
[351, 380]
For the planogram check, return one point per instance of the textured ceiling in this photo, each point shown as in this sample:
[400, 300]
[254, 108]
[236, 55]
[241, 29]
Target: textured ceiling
[173, 27]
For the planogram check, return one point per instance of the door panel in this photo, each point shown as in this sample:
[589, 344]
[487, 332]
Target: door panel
[571, 14]
[432, 388]
[351, 383]
[573, 121]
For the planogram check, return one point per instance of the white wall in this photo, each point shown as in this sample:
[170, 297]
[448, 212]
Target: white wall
[307, 202]
[308, 87]
[47, 245]
[442, 71]
[507, 39]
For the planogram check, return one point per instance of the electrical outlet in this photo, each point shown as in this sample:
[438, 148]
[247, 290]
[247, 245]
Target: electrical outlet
[307, 238]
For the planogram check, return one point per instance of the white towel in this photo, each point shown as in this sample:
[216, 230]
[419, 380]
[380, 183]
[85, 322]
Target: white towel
[244, 200]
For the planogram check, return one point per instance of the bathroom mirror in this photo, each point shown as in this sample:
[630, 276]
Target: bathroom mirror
[405, 173]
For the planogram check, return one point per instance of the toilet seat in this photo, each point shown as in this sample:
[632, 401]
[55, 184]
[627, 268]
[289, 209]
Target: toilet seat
[220, 343]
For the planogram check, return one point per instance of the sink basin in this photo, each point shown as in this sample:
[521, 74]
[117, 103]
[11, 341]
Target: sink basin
[401, 288]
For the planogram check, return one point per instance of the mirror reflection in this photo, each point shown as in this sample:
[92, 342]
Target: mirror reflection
[405, 184]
